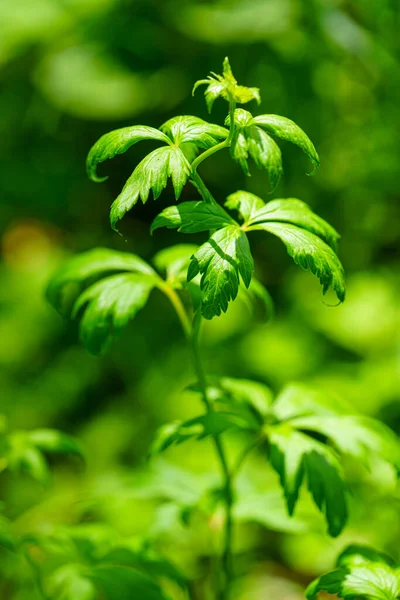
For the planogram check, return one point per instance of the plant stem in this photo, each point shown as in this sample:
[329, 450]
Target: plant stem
[197, 161]
[202, 188]
[227, 549]
[178, 306]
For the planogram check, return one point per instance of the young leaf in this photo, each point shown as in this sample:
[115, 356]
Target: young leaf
[310, 253]
[361, 573]
[192, 217]
[225, 86]
[297, 213]
[87, 266]
[118, 142]
[111, 304]
[188, 129]
[287, 130]
[296, 456]
[356, 435]
[220, 261]
[152, 173]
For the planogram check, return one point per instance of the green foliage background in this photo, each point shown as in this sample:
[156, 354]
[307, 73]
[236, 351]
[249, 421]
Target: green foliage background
[72, 70]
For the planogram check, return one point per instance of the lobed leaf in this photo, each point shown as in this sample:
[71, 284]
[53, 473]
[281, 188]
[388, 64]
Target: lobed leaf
[189, 129]
[310, 253]
[226, 86]
[86, 266]
[152, 173]
[220, 261]
[109, 305]
[361, 573]
[192, 217]
[287, 130]
[296, 456]
[296, 212]
[252, 141]
[118, 142]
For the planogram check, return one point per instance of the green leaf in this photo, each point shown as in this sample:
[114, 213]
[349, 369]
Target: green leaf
[356, 435]
[245, 203]
[297, 213]
[252, 141]
[86, 267]
[220, 261]
[111, 304]
[152, 173]
[361, 573]
[295, 456]
[252, 393]
[71, 582]
[118, 142]
[188, 129]
[212, 423]
[121, 583]
[298, 400]
[51, 440]
[225, 86]
[174, 262]
[192, 217]
[287, 130]
[311, 253]
[22, 456]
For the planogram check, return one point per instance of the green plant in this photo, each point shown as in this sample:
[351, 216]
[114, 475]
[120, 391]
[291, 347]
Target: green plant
[302, 432]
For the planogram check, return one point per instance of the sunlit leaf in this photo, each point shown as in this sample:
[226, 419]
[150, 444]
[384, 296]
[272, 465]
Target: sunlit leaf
[287, 130]
[152, 174]
[226, 86]
[118, 142]
[192, 217]
[310, 253]
[220, 261]
[361, 573]
[189, 129]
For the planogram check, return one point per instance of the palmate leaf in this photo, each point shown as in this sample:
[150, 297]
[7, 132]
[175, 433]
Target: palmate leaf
[118, 142]
[296, 455]
[109, 305]
[83, 268]
[312, 254]
[287, 130]
[291, 210]
[111, 302]
[361, 573]
[221, 260]
[152, 174]
[192, 217]
[250, 139]
[226, 86]
[189, 129]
